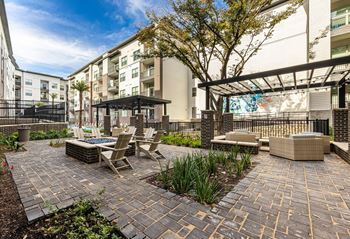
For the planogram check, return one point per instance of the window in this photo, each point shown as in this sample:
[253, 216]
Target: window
[61, 97]
[124, 113]
[135, 90]
[340, 18]
[122, 93]
[54, 86]
[44, 96]
[135, 72]
[29, 93]
[28, 82]
[44, 85]
[95, 87]
[136, 55]
[341, 51]
[124, 60]
[61, 87]
[194, 92]
[122, 77]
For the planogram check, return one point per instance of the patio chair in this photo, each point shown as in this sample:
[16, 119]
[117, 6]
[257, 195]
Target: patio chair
[95, 132]
[150, 148]
[117, 131]
[131, 130]
[148, 135]
[116, 154]
[78, 133]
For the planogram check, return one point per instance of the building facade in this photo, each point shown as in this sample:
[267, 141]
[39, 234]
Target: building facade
[121, 72]
[34, 86]
[7, 61]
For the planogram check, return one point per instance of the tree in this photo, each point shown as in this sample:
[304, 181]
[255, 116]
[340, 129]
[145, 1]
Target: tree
[81, 87]
[53, 97]
[200, 32]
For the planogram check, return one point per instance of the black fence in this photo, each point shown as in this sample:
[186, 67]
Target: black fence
[282, 127]
[266, 127]
[22, 112]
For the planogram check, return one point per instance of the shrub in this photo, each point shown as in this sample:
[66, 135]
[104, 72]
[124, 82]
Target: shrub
[183, 175]
[182, 140]
[239, 167]
[37, 135]
[211, 162]
[51, 134]
[11, 142]
[164, 175]
[206, 191]
[246, 160]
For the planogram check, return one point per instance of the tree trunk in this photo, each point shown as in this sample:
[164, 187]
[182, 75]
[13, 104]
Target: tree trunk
[80, 109]
[218, 114]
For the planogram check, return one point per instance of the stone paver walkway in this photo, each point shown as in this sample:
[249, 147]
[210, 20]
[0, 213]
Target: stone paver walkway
[278, 199]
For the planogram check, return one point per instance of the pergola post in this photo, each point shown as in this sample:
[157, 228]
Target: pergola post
[97, 116]
[107, 121]
[164, 109]
[227, 108]
[341, 96]
[207, 98]
[139, 105]
[207, 128]
[139, 124]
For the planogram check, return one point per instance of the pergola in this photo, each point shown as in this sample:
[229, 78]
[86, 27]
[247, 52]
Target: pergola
[327, 73]
[136, 102]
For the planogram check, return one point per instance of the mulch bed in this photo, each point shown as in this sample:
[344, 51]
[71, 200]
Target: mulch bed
[226, 181]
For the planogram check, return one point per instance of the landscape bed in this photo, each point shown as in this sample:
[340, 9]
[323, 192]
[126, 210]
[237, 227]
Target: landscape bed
[205, 178]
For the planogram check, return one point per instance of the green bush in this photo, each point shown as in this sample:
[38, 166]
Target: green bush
[182, 140]
[51, 134]
[38, 135]
[206, 191]
[182, 179]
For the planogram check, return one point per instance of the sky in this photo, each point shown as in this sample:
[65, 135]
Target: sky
[60, 36]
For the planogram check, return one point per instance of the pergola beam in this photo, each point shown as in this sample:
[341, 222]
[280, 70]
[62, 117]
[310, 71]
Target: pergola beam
[310, 78]
[256, 85]
[281, 83]
[267, 83]
[329, 73]
[295, 80]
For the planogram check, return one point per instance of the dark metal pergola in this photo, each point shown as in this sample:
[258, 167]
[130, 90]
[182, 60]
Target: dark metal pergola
[136, 102]
[333, 72]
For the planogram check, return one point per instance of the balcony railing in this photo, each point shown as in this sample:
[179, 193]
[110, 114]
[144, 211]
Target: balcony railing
[147, 73]
[340, 18]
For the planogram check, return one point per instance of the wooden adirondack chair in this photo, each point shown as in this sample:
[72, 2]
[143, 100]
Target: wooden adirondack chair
[95, 132]
[78, 133]
[131, 130]
[116, 154]
[148, 135]
[150, 148]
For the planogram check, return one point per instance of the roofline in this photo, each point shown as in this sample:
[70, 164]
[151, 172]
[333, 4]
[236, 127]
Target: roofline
[43, 74]
[127, 41]
[4, 21]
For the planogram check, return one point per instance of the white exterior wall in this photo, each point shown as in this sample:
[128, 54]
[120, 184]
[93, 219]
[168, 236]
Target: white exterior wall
[35, 87]
[129, 82]
[175, 88]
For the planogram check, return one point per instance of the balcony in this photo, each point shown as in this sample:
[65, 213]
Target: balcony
[113, 70]
[341, 23]
[148, 92]
[147, 74]
[113, 86]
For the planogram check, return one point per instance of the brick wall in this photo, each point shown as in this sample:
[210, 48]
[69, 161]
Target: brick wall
[340, 125]
[227, 122]
[139, 124]
[9, 129]
[207, 128]
[165, 123]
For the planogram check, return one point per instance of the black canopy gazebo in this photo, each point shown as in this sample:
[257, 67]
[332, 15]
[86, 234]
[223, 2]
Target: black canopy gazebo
[133, 103]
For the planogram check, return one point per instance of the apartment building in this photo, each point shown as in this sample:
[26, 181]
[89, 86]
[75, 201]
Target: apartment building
[121, 72]
[7, 61]
[34, 86]
[319, 30]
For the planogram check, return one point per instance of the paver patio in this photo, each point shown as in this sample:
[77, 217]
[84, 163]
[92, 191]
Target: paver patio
[278, 199]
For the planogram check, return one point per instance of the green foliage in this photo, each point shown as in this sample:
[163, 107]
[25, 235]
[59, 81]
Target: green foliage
[211, 162]
[81, 221]
[246, 160]
[182, 140]
[51, 134]
[182, 178]
[239, 167]
[206, 191]
[11, 142]
[164, 175]
[56, 143]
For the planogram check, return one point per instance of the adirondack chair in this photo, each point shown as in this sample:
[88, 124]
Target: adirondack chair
[117, 131]
[148, 135]
[131, 130]
[95, 132]
[116, 154]
[78, 133]
[150, 148]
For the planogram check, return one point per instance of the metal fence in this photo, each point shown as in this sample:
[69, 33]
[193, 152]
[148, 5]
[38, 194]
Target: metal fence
[23, 112]
[282, 127]
[266, 127]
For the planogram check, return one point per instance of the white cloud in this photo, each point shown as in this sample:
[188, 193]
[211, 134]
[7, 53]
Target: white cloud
[33, 44]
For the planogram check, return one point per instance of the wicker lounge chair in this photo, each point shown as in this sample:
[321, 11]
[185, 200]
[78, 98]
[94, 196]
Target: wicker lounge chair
[299, 148]
[116, 154]
[150, 148]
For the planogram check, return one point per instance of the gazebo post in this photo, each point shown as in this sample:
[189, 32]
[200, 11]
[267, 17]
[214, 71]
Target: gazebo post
[207, 96]
[139, 105]
[341, 96]
[97, 116]
[107, 121]
[165, 119]
[227, 108]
